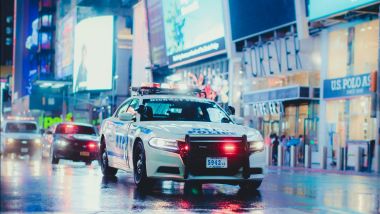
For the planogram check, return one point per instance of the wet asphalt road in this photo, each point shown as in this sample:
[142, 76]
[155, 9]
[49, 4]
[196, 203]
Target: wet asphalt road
[34, 186]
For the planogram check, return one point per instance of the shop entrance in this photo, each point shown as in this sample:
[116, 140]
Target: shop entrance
[311, 132]
[271, 127]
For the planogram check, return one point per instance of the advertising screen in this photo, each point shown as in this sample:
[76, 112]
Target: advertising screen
[25, 47]
[93, 54]
[193, 28]
[318, 9]
[64, 46]
[156, 32]
[252, 17]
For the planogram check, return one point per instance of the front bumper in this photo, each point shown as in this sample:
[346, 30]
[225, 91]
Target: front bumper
[76, 155]
[21, 147]
[170, 166]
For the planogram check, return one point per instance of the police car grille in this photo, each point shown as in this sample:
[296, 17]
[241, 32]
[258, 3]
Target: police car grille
[203, 147]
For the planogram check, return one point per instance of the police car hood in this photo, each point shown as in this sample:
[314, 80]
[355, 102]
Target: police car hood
[23, 136]
[179, 129]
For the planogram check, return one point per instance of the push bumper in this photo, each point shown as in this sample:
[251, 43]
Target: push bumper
[166, 165]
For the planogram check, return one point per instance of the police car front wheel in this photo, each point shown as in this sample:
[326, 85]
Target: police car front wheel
[139, 167]
[103, 161]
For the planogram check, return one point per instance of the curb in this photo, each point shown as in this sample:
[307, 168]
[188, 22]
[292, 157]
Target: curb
[323, 171]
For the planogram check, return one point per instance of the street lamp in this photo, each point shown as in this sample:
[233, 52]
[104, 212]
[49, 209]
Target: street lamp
[114, 90]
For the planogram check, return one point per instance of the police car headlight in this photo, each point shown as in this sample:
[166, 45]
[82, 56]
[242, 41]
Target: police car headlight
[10, 140]
[37, 141]
[61, 143]
[256, 146]
[164, 144]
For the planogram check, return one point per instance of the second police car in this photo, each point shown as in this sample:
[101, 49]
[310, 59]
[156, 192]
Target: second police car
[168, 135]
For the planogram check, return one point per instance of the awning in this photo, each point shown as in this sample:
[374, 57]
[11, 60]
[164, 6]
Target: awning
[282, 94]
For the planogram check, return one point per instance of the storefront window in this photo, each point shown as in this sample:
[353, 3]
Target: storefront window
[301, 78]
[290, 121]
[366, 47]
[336, 122]
[338, 52]
[361, 124]
[303, 115]
[352, 51]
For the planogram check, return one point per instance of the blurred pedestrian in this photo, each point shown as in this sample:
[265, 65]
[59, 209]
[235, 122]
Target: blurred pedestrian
[275, 144]
[301, 149]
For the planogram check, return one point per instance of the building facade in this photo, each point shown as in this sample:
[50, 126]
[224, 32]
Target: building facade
[319, 88]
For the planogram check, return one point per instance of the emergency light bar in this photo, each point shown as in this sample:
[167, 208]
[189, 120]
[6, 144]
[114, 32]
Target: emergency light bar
[20, 118]
[155, 88]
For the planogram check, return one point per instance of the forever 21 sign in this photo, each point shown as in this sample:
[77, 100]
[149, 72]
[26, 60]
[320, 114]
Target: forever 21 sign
[347, 86]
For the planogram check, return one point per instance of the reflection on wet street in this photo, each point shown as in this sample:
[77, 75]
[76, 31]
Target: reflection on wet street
[31, 185]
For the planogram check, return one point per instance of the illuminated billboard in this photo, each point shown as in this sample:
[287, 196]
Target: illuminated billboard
[64, 45]
[93, 54]
[193, 28]
[319, 10]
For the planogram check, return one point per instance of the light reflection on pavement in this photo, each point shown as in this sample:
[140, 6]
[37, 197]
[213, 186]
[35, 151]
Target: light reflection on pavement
[31, 185]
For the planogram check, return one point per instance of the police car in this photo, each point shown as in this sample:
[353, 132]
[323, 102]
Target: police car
[20, 135]
[172, 135]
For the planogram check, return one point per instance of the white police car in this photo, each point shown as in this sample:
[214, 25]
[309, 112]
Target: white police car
[168, 135]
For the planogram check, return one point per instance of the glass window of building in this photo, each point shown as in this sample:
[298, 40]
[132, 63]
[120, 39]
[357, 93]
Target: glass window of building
[366, 44]
[338, 53]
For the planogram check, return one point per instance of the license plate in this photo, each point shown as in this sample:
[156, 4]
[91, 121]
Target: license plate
[84, 154]
[24, 142]
[24, 150]
[216, 162]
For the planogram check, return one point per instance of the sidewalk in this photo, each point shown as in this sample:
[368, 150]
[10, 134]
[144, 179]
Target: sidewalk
[323, 171]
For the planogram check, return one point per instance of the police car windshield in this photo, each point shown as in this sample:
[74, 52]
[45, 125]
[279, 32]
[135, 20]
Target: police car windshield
[74, 129]
[172, 109]
[19, 127]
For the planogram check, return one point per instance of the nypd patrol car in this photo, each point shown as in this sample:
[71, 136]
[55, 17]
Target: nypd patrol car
[168, 135]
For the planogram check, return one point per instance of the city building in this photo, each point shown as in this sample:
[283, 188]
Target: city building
[279, 74]
[187, 45]
[350, 60]
[6, 54]
[315, 82]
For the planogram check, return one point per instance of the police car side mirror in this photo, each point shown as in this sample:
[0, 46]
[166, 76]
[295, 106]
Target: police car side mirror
[125, 116]
[231, 110]
[238, 120]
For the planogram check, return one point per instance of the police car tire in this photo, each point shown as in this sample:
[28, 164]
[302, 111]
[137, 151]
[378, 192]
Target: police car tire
[251, 185]
[139, 172]
[106, 169]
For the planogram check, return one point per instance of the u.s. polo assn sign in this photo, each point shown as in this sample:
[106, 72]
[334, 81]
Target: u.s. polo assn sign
[347, 86]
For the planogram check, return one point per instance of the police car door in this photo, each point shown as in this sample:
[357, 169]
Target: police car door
[113, 137]
[122, 138]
